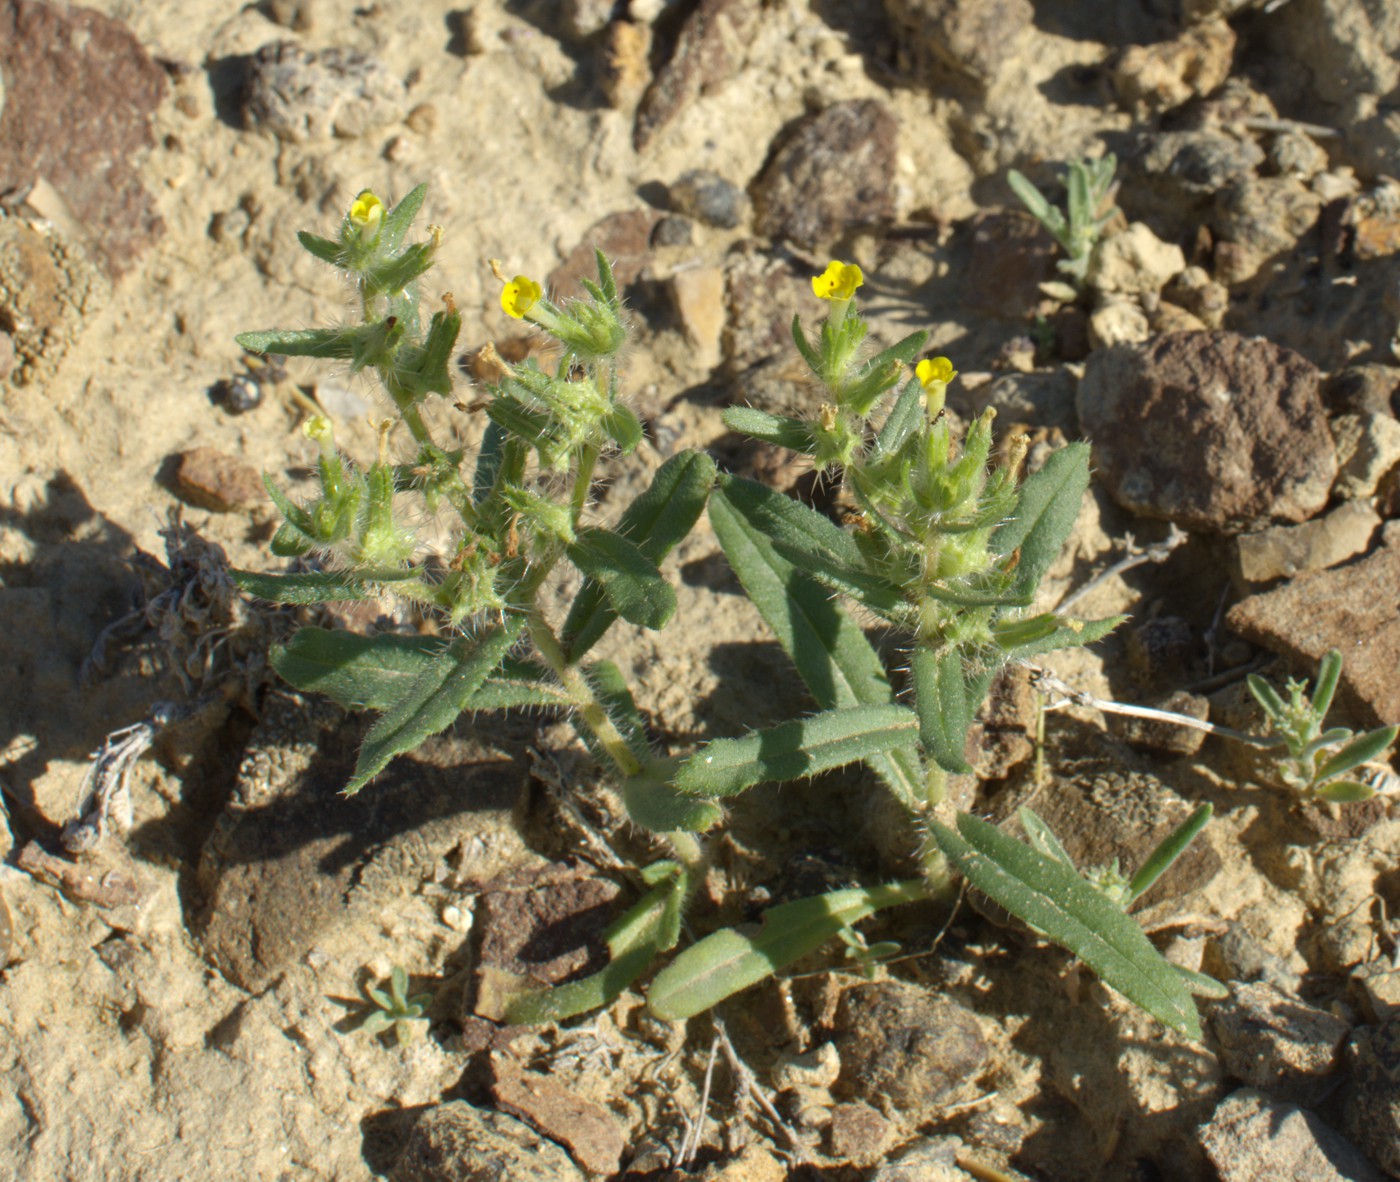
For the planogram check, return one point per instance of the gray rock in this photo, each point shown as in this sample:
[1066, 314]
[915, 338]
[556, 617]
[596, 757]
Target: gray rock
[1346, 47]
[1277, 1043]
[79, 93]
[1252, 1137]
[1211, 430]
[834, 170]
[581, 19]
[300, 96]
[1044, 398]
[1263, 217]
[1201, 161]
[908, 1047]
[1235, 955]
[1352, 608]
[674, 230]
[1283, 551]
[455, 1142]
[930, 1159]
[1372, 1096]
[969, 40]
[708, 197]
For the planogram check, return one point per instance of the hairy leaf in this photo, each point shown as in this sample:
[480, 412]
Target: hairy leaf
[321, 586]
[630, 580]
[1046, 508]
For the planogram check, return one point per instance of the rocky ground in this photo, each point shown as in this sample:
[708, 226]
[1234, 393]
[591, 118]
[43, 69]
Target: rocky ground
[185, 1003]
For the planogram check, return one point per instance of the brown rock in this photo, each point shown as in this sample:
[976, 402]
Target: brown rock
[589, 1132]
[972, 39]
[208, 479]
[79, 93]
[624, 66]
[834, 170]
[1151, 79]
[1284, 551]
[467, 1144]
[1352, 608]
[698, 296]
[1363, 389]
[1211, 430]
[1012, 255]
[710, 49]
[765, 293]
[624, 237]
[1263, 217]
[857, 1133]
[1278, 1043]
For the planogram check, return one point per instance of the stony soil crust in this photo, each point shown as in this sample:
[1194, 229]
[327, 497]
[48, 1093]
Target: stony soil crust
[184, 1003]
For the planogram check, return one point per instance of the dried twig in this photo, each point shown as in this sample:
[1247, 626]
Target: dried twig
[749, 1085]
[1136, 556]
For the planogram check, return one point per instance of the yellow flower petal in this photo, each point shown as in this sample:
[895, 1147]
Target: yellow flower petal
[935, 370]
[520, 295]
[368, 210]
[838, 282]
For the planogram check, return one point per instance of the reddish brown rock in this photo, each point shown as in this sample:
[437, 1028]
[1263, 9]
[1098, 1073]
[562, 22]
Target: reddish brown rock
[1354, 608]
[1211, 430]
[209, 479]
[833, 170]
[588, 1131]
[857, 1133]
[1012, 255]
[624, 237]
[708, 50]
[79, 92]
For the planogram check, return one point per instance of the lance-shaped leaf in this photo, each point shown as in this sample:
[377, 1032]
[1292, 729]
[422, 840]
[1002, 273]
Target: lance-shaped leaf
[623, 428]
[397, 221]
[946, 696]
[630, 580]
[812, 542]
[728, 961]
[320, 586]
[1361, 749]
[1168, 850]
[374, 672]
[324, 249]
[1053, 899]
[488, 461]
[904, 419]
[780, 430]
[647, 929]
[437, 696]
[613, 694]
[1061, 632]
[336, 343]
[839, 666]
[1046, 508]
[655, 522]
[794, 749]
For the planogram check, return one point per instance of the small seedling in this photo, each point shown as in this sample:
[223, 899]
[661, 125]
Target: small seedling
[396, 1010]
[1307, 767]
[1088, 188]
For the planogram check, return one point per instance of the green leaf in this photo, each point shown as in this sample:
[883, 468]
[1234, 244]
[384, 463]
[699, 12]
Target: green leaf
[623, 428]
[397, 221]
[779, 430]
[655, 804]
[946, 697]
[630, 580]
[304, 587]
[1345, 791]
[488, 461]
[655, 522]
[647, 929]
[812, 542]
[374, 672]
[432, 703]
[903, 351]
[802, 747]
[1042, 837]
[903, 420]
[611, 690]
[335, 343]
[1266, 696]
[1329, 673]
[839, 666]
[1361, 749]
[1067, 633]
[323, 248]
[1056, 901]
[804, 347]
[728, 961]
[1168, 851]
[1046, 508]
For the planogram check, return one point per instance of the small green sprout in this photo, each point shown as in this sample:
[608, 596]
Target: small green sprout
[1307, 768]
[1088, 187]
[396, 1010]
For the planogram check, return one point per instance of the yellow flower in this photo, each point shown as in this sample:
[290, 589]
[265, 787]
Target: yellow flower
[936, 370]
[520, 295]
[838, 282]
[368, 211]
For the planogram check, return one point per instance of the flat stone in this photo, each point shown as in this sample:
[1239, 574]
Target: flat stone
[588, 1131]
[709, 49]
[698, 296]
[1351, 608]
[1368, 447]
[1211, 430]
[303, 96]
[455, 1142]
[1277, 1043]
[857, 1133]
[907, 1046]
[209, 479]
[1371, 1099]
[833, 171]
[1283, 551]
[1252, 1137]
[79, 95]
[1012, 255]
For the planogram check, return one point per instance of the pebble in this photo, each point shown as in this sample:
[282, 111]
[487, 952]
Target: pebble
[341, 402]
[1277, 1043]
[1368, 447]
[708, 197]
[833, 171]
[1135, 261]
[237, 395]
[1362, 390]
[209, 479]
[1251, 1137]
[1212, 430]
[1118, 320]
[1284, 551]
[466, 1144]
[674, 230]
[624, 63]
[857, 1133]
